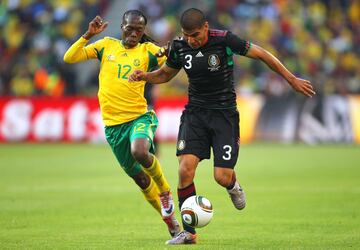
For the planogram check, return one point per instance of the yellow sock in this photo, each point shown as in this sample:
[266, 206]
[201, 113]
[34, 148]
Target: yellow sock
[157, 175]
[151, 194]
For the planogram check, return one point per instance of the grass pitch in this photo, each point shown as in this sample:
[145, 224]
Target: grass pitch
[66, 196]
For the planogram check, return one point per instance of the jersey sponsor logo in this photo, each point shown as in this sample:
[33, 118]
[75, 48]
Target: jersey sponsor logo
[124, 54]
[111, 58]
[199, 54]
[136, 62]
[181, 145]
[214, 62]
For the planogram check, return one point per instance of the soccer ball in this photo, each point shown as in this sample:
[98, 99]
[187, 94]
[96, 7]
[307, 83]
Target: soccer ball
[197, 211]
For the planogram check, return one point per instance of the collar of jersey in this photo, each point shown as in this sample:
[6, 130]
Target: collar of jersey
[122, 45]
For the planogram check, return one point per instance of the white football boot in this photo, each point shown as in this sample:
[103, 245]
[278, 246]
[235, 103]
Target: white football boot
[167, 212]
[237, 196]
[182, 238]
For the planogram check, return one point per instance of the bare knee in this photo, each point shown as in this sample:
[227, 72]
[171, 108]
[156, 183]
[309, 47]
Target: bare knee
[223, 176]
[140, 152]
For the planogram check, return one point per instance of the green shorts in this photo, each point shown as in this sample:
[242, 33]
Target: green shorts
[120, 137]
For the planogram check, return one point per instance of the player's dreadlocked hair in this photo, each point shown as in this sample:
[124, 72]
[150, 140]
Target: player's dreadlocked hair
[144, 38]
[192, 19]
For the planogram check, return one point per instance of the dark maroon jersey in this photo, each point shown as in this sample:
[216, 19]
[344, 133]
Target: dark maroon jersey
[209, 68]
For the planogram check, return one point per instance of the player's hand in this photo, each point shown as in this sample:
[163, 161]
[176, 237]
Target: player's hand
[96, 26]
[303, 86]
[137, 76]
[164, 51]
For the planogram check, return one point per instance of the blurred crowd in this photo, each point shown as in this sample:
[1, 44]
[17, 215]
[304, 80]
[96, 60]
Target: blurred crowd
[34, 36]
[316, 40]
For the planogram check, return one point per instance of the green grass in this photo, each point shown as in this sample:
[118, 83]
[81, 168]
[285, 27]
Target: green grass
[75, 197]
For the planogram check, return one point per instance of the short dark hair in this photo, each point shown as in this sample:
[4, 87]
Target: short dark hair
[192, 19]
[135, 13]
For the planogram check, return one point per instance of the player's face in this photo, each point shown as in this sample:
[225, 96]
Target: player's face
[132, 30]
[198, 37]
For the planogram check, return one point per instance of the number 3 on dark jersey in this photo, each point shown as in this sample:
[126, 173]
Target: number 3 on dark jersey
[227, 155]
[188, 64]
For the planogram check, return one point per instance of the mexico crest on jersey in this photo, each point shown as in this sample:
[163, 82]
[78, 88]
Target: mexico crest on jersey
[214, 62]
[181, 145]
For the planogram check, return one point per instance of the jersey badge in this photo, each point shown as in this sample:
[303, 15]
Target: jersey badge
[181, 145]
[136, 62]
[199, 54]
[111, 58]
[214, 62]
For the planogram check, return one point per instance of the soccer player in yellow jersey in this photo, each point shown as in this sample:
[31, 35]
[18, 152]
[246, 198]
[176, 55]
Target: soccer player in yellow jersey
[129, 126]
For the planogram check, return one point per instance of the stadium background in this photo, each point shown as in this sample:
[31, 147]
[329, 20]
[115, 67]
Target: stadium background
[44, 99]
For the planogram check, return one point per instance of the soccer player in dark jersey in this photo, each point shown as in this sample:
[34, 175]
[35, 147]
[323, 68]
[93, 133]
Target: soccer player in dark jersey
[210, 118]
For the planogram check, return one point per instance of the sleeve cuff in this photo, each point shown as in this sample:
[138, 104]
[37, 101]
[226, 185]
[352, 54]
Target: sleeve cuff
[82, 39]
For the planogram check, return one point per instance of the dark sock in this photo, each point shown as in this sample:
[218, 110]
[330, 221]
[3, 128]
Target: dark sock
[183, 194]
[233, 180]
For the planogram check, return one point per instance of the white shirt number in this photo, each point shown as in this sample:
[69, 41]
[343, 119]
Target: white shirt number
[227, 155]
[188, 59]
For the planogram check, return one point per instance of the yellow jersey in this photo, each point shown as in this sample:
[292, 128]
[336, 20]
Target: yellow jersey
[120, 100]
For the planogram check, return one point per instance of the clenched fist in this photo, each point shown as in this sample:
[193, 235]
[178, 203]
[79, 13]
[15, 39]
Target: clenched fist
[137, 76]
[96, 26]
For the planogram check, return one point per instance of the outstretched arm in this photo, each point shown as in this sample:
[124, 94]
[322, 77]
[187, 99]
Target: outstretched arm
[300, 85]
[77, 52]
[164, 74]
